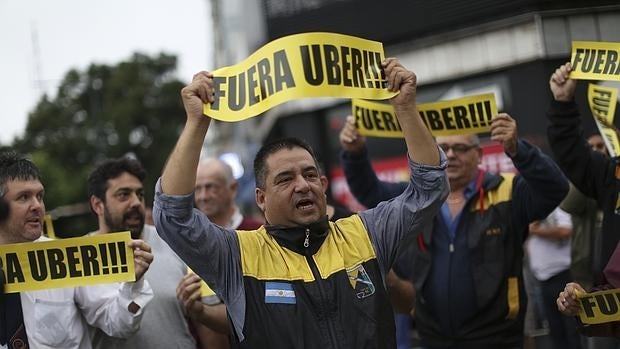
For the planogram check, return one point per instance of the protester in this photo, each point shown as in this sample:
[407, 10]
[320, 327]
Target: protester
[467, 265]
[591, 172]
[60, 318]
[549, 248]
[116, 194]
[314, 283]
[595, 175]
[587, 219]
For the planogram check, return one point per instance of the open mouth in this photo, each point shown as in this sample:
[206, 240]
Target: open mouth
[305, 205]
[36, 221]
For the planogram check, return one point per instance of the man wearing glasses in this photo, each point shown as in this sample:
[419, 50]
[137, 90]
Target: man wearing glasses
[467, 266]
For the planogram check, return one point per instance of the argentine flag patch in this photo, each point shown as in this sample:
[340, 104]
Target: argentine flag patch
[279, 292]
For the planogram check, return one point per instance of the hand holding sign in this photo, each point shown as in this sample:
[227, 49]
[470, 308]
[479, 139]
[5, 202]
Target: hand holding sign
[567, 301]
[400, 80]
[504, 131]
[350, 139]
[196, 94]
[421, 146]
[142, 257]
[562, 87]
[188, 292]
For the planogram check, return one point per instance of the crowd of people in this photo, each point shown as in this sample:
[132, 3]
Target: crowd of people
[444, 252]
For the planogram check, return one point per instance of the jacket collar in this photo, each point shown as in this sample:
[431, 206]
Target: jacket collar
[294, 238]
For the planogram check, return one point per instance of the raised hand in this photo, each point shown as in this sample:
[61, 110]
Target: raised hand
[504, 131]
[350, 138]
[142, 257]
[562, 87]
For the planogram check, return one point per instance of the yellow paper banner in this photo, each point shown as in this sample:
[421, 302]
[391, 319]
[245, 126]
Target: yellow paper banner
[471, 114]
[205, 290]
[602, 102]
[49, 227]
[592, 60]
[599, 307]
[82, 261]
[298, 66]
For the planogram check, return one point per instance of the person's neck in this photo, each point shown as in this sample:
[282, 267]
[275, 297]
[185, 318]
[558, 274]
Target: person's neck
[223, 219]
[456, 196]
[457, 188]
[302, 239]
[459, 185]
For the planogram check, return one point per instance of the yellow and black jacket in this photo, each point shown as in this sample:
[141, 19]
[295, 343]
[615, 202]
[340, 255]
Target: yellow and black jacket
[327, 295]
[469, 289]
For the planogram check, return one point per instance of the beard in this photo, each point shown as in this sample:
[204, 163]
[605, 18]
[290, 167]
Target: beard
[120, 223]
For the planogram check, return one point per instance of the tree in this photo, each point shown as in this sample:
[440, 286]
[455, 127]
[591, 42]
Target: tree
[132, 108]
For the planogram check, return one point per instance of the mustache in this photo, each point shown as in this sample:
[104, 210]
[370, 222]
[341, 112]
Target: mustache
[133, 212]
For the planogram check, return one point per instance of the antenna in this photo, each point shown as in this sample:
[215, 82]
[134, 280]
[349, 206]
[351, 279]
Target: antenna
[38, 82]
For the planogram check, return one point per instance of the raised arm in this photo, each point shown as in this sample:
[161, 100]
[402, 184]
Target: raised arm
[421, 146]
[179, 175]
[399, 220]
[361, 177]
[209, 250]
[590, 171]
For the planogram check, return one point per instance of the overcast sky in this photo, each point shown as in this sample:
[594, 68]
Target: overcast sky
[42, 39]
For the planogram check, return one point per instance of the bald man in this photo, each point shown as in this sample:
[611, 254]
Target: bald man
[215, 192]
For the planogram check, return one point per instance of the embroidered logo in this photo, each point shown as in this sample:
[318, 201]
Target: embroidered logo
[360, 281]
[494, 231]
[279, 292]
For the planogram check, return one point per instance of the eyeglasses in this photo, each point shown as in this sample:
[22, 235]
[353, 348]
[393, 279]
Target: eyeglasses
[458, 148]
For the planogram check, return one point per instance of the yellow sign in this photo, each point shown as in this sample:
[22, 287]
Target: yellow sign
[465, 115]
[599, 307]
[205, 290]
[297, 66]
[592, 60]
[49, 227]
[602, 102]
[82, 261]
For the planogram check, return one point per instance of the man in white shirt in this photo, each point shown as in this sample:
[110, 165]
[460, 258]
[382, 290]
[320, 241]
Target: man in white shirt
[116, 194]
[60, 318]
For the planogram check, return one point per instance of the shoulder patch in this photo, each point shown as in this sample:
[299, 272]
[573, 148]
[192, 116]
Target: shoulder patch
[360, 281]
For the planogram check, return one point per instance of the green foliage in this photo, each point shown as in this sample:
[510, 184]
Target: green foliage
[132, 108]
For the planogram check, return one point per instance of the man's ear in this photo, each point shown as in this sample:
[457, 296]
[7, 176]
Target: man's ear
[234, 187]
[96, 205]
[324, 183]
[260, 198]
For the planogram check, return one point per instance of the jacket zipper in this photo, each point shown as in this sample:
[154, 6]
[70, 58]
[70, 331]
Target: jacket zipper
[307, 239]
[317, 276]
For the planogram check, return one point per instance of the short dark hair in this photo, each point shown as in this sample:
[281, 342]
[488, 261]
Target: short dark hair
[16, 167]
[110, 169]
[4, 209]
[260, 160]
